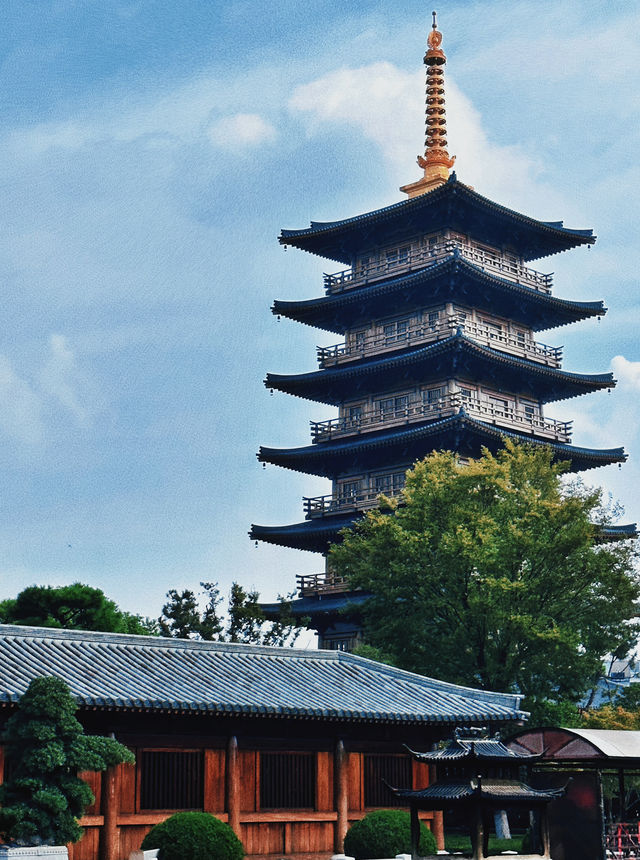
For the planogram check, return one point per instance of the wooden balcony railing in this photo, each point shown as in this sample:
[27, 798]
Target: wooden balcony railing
[418, 333]
[312, 584]
[423, 257]
[320, 506]
[443, 407]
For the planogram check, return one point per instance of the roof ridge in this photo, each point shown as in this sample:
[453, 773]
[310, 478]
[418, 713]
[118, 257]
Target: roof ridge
[140, 640]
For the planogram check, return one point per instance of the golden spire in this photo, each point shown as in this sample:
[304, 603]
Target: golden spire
[436, 160]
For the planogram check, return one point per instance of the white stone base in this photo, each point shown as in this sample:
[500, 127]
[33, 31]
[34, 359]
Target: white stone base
[144, 855]
[32, 852]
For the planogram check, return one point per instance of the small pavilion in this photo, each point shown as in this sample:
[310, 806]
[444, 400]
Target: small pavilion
[479, 776]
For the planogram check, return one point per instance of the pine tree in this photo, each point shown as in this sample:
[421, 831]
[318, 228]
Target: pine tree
[46, 748]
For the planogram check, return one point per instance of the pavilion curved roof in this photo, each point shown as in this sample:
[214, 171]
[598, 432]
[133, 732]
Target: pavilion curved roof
[460, 433]
[453, 205]
[457, 356]
[493, 792]
[453, 279]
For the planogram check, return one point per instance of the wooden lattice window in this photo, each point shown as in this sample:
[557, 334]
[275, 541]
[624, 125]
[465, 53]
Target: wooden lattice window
[393, 769]
[171, 779]
[287, 780]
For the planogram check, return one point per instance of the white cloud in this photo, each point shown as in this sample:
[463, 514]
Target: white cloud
[241, 129]
[60, 379]
[626, 372]
[385, 105]
[20, 407]
[30, 404]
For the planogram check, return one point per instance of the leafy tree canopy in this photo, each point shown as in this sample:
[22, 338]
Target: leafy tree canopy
[46, 749]
[74, 607]
[183, 618]
[489, 574]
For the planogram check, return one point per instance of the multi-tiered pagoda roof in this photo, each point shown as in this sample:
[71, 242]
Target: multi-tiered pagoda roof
[438, 311]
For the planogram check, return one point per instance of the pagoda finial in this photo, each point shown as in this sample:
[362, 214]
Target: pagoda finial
[436, 161]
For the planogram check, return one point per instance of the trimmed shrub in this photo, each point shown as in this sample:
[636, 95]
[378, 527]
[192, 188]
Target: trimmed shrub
[384, 834]
[194, 836]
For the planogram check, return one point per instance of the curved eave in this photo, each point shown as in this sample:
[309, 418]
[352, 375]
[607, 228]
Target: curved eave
[454, 279]
[310, 535]
[317, 608]
[460, 433]
[626, 531]
[452, 205]
[457, 356]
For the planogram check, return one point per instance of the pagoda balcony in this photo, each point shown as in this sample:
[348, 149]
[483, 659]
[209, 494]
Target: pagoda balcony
[414, 412]
[365, 499]
[420, 258]
[316, 584]
[421, 333]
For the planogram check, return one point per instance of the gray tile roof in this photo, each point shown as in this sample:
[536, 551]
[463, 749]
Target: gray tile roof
[108, 670]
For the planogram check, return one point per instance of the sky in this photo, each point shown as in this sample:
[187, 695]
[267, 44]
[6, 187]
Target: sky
[150, 153]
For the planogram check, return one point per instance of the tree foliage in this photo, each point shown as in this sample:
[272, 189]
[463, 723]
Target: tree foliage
[74, 607]
[489, 574]
[182, 617]
[46, 749]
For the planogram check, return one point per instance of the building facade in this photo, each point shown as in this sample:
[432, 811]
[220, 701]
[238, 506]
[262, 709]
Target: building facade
[288, 746]
[439, 312]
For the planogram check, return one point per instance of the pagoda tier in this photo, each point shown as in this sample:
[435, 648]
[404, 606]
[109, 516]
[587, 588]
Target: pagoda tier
[460, 432]
[317, 535]
[453, 278]
[457, 356]
[452, 205]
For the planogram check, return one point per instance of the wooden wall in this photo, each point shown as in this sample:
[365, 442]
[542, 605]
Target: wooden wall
[115, 825]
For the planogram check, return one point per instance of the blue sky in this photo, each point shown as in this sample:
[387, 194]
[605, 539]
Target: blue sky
[150, 153]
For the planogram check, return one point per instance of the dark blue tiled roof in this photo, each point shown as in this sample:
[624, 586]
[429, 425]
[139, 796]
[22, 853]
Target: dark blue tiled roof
[457, 355]
[453, 205]
[622, 532]
[491, 791]
[487, 750]
[120, 672]
[459, 432]
[455, 279]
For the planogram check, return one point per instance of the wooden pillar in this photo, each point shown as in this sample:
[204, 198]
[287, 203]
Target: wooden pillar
[110, 835]
[415, 832]
[341, 778]
[233, 785]
[544, 832]
[477, 835]
[437, 822]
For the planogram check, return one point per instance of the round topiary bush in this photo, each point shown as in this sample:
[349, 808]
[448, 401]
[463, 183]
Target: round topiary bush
[194, 836]
[384, 834]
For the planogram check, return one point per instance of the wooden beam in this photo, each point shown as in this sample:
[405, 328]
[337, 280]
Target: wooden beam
[342, 795]
[233, 785]
[110, 835]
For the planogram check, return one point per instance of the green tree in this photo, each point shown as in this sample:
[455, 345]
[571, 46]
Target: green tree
[182, 618]
[47, 748]
[490, 574]
[75, 607]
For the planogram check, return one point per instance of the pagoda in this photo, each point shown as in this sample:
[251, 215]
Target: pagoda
[438, 313]
[479, 776]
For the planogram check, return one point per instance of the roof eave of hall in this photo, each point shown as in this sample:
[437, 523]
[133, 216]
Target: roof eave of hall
[317, 459]
[552, 236]
[296, 309]
[316, 384]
